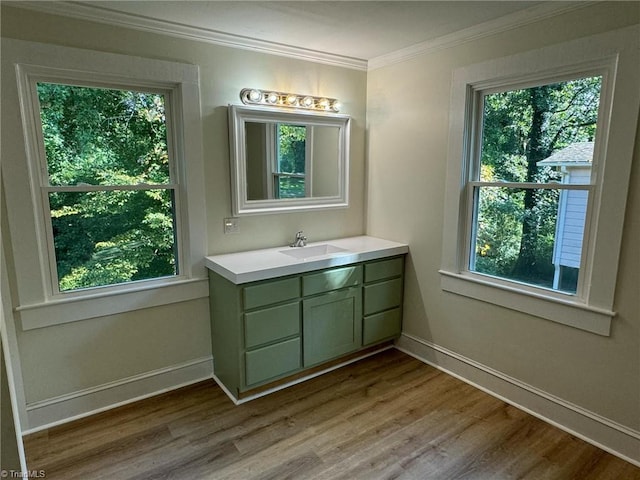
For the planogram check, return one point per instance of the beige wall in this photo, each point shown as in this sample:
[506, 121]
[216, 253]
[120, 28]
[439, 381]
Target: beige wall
[68, 358]
[407, 140]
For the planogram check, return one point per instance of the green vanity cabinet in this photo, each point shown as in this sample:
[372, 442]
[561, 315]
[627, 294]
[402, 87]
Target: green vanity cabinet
[270, 329]
[382, 292]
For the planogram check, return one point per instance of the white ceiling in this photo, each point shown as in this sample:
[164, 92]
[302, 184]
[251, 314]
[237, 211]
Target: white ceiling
[358, 31]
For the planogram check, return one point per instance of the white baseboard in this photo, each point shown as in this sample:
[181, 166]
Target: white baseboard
[606, 434]
[240, 401]
[55, 411]
[73, 406]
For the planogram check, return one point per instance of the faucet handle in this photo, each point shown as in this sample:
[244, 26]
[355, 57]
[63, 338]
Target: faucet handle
[300, 240]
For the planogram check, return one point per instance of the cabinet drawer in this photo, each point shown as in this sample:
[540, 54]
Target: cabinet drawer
[272, 361]
[384, 269]
[381, 326]
[271, 324]
[333, 279]
[382, 296]
[271, 292]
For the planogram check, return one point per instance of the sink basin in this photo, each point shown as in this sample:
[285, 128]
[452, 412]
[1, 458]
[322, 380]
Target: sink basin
[314, 251]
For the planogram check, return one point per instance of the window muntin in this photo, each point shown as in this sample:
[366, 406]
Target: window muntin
[108, 192]
[527, 211]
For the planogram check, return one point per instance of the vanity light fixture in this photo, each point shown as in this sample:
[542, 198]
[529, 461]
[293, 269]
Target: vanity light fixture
[253, 96]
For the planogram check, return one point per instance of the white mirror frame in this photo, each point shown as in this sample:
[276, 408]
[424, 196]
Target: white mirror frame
[239, 115]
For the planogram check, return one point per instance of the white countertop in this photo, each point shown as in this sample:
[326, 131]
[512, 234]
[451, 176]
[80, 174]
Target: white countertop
[253, 265]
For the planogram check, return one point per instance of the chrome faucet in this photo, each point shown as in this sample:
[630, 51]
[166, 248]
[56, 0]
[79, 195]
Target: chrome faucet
[301, 240]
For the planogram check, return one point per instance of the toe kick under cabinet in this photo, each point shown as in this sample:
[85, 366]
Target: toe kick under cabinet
[269, 330]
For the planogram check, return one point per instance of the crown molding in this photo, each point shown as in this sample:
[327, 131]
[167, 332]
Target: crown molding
[107, 16]
[476, 32]
[85, 11]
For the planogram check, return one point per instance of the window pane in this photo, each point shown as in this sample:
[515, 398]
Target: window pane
[105, 238]
[532, 134]
[529, 235]
[535, 135]
[291, 148]
[102, 136]
[290, 187]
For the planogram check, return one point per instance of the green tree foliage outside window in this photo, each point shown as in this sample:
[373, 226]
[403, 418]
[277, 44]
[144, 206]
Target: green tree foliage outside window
[290, 177]
[515, 228]
[110, 193]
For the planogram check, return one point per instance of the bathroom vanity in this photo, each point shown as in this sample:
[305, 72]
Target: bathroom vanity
[279, 313]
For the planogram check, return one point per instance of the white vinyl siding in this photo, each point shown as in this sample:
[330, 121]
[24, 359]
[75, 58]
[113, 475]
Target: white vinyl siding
[571, 220]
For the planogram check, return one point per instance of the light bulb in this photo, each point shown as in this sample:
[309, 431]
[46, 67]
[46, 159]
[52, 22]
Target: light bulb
[336, 106]
[307, 101]
[292, 99]
[272, 97]
[324, 103]
[255, 95]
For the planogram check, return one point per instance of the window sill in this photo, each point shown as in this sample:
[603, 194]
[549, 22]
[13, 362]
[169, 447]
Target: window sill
[73, 309]
[567, 312]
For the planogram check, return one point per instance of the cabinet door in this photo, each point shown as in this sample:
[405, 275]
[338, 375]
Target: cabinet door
[332, 325]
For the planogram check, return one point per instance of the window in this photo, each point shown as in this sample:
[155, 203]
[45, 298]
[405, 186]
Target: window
[533, 220]
[109, 194]
[291, 161]
[106, 194]
[530, 180]
[279, 159]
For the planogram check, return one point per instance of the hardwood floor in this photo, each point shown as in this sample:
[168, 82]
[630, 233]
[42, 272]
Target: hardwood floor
[388, 416]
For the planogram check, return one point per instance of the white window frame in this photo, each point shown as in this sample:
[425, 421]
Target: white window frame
[472, 158]
[273, 159]
[42, 305]
[37, 75]
[591, 309]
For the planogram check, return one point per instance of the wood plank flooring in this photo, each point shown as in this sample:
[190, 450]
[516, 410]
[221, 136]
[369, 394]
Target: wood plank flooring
[385, 417]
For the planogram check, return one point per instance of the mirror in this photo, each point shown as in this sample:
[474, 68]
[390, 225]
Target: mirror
[287, 160]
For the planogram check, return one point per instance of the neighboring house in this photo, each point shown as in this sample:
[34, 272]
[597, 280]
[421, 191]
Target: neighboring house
[574, 164]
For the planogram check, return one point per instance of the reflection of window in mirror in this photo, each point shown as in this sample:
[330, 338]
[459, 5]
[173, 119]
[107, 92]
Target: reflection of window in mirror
[279, 159]
[291, 166]
[291, 160]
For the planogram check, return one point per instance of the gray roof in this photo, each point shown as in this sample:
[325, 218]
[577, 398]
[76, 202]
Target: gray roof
[577, 154]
